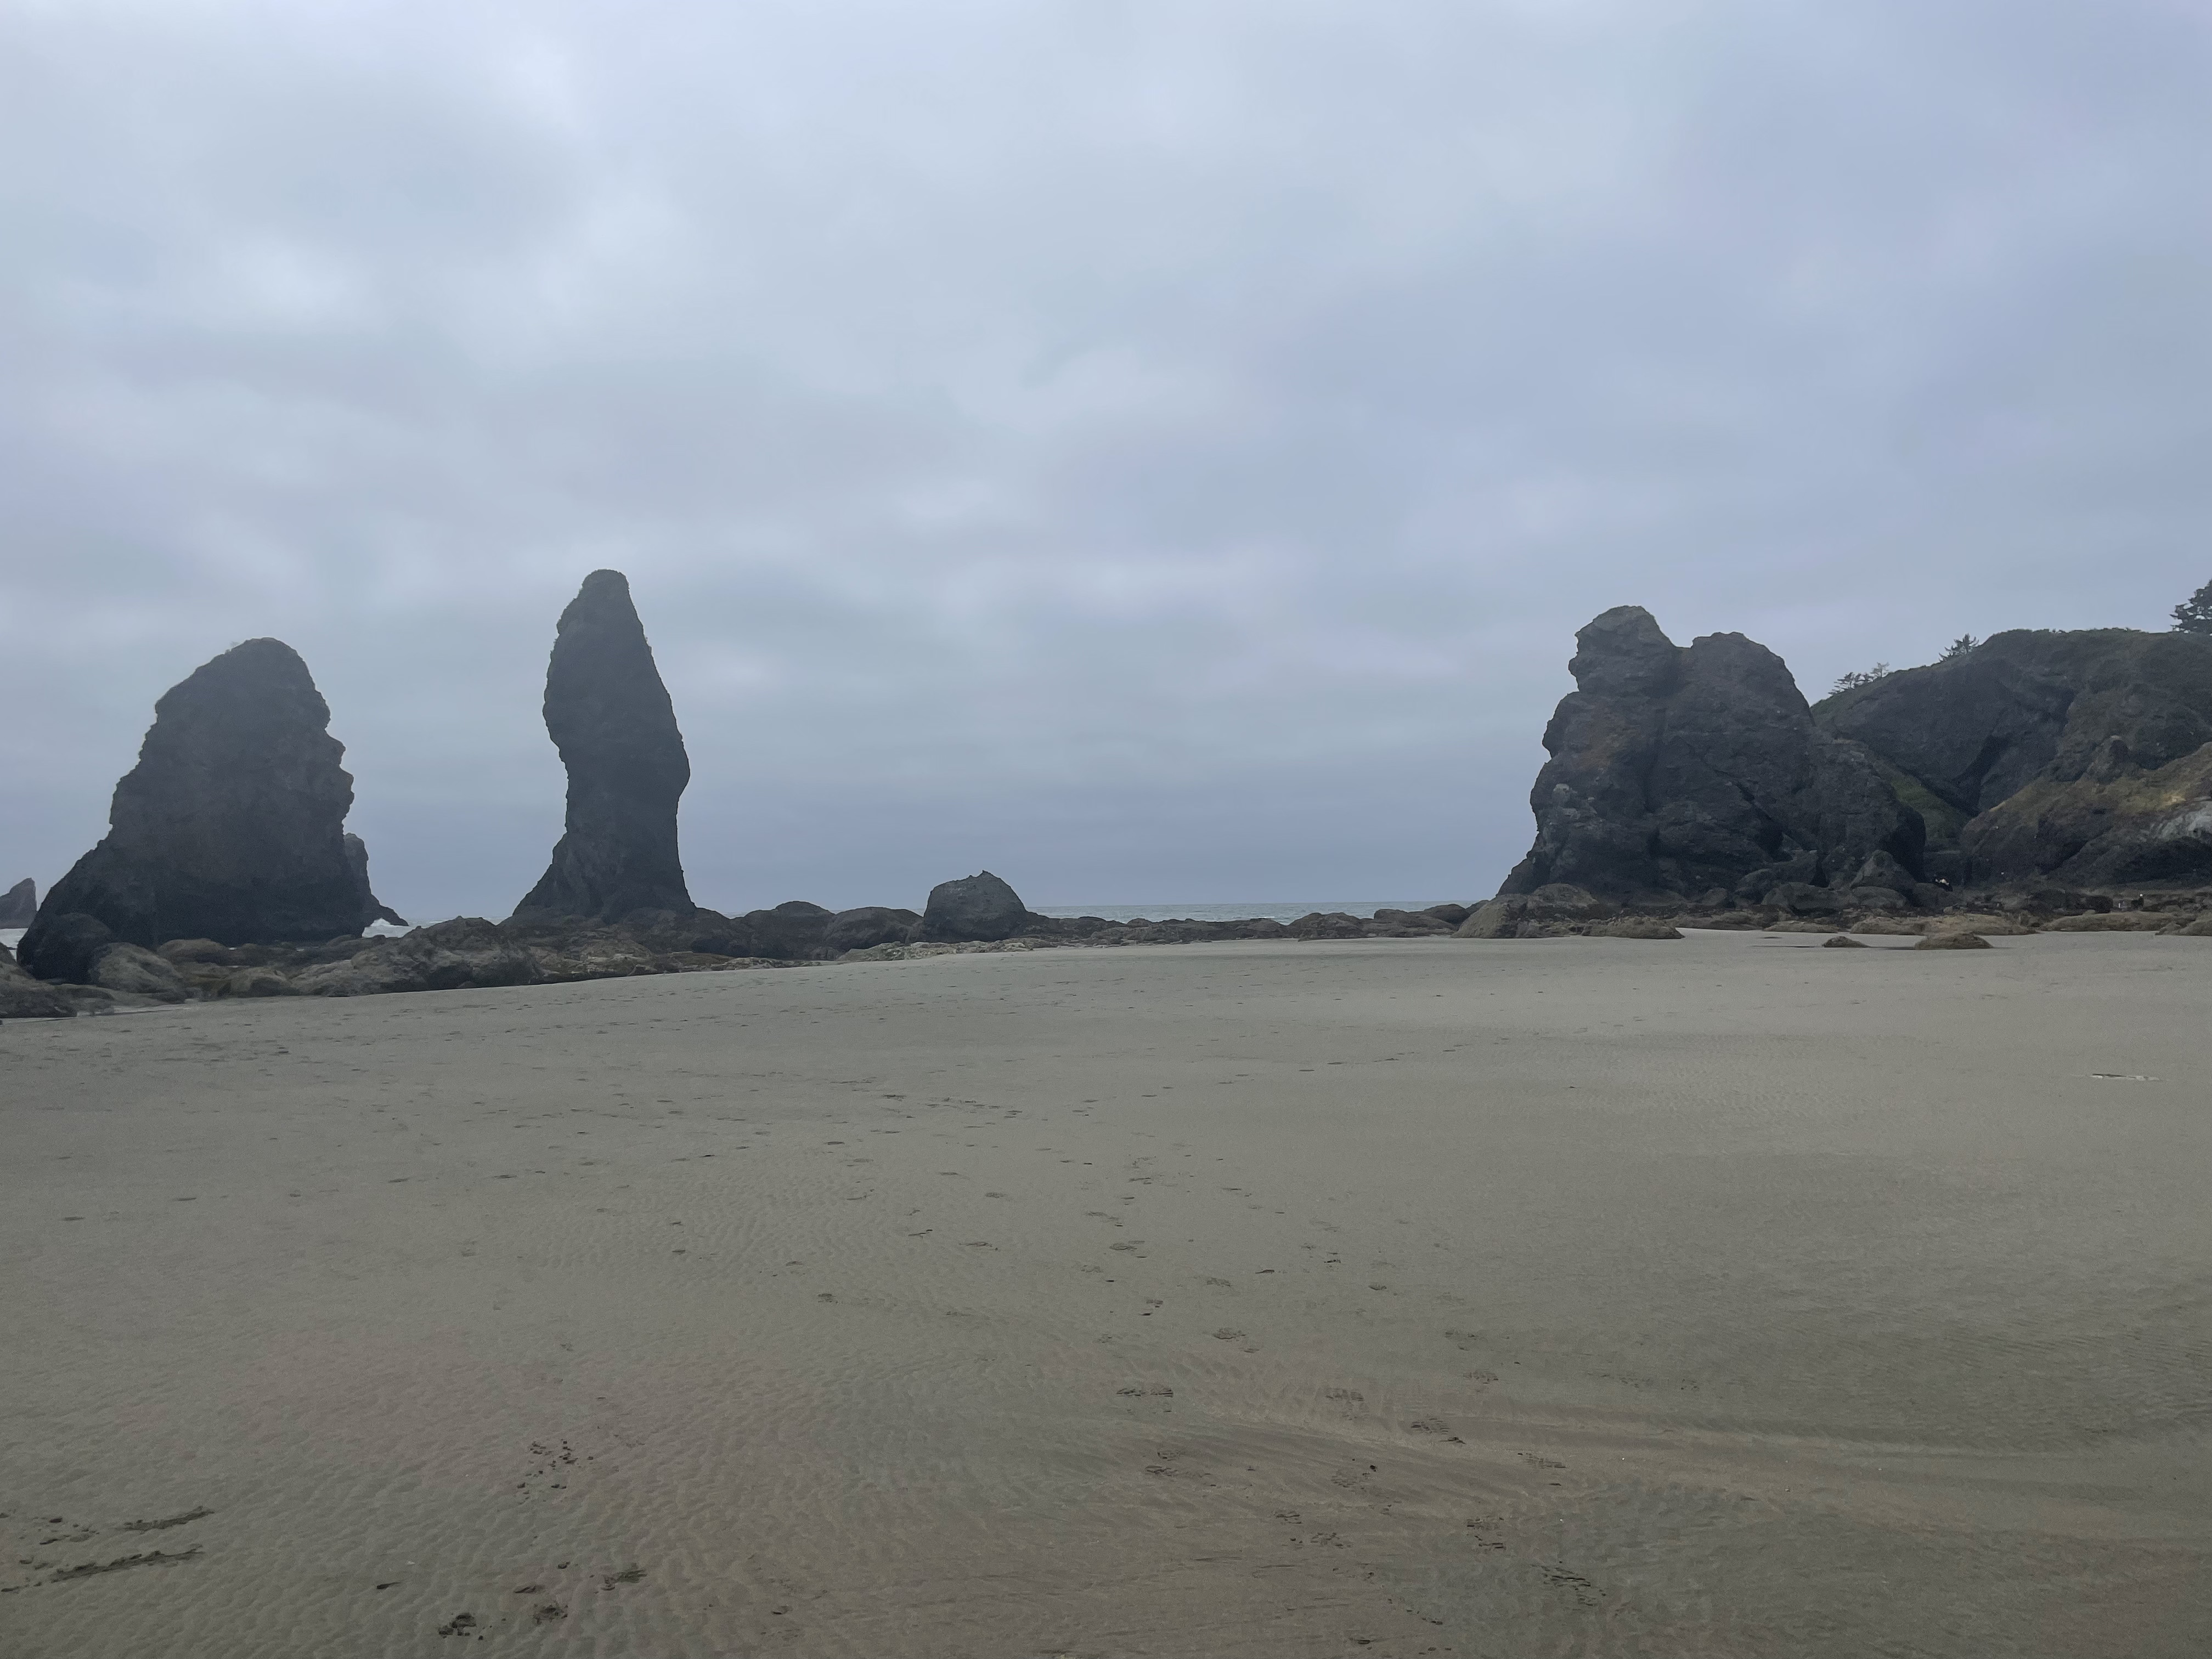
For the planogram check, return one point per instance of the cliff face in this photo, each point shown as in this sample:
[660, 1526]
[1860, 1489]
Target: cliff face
[1699, 772]
[2078, 757]
[232, 825]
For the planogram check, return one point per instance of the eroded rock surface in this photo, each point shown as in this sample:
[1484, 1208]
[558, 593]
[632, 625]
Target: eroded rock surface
[22, 997]
[232, 825]
[19, 904]
[1698, 773]
[2081, 756]
[609, 716]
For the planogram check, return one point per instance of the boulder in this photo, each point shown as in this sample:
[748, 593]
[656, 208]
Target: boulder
[1802, 898]
[1544, 914]
[977, 907]
[19, 905]
[1960, 941]
[708, 933]
[609, 716]
[466, 952]
[1323, 924]
[2200, 928]
[1882, 869]
[1452, 915]
[1675, 771]
[134, 970]
[793, 930]
[1844, 942]
[2115, 921]
[22, 997]
[1636, 927]
[62, 946]
[177, 952]
[869, 925]
[1495, 918]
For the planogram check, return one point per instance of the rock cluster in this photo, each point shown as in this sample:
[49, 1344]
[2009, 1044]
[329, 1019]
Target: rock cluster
[2048, 766]
[2080, 758]
[1698, 773]
[610, 718]
[231, 827]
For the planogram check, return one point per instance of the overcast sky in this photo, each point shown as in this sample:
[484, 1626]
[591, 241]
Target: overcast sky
[1156, 451]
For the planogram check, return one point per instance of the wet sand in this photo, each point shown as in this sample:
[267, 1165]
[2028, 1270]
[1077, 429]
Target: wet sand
[1725, 1297]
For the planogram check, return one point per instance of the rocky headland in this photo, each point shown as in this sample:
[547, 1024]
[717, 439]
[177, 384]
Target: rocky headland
[2038, 779]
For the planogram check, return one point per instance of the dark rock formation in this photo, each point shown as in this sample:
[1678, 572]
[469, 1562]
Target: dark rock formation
[1636, 927]
[2080, 756]
[709, 933]
[65, 944]
[135, 972]
[231, 827]
[868, 926]
[20, 904]
[1953, 942]
[371, 908]
[1698, 773]
[610, 717]
[1552, 911]
[465, 952]
[977, 907]
[793, 930]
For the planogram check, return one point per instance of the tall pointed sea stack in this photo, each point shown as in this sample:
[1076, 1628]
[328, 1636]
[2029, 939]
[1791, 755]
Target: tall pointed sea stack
[231, 826]
[610, 717]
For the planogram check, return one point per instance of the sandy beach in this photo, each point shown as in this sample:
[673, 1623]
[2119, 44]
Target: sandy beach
[1566, 1297]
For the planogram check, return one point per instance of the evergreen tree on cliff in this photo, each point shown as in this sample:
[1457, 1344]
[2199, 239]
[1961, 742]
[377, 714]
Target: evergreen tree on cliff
[2194, 614]
[609, 716]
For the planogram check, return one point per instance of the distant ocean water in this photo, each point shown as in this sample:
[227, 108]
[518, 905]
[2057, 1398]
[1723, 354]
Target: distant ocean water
[1276, 910]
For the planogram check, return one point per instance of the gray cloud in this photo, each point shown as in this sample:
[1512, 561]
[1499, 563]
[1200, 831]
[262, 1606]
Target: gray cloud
[1158, 452]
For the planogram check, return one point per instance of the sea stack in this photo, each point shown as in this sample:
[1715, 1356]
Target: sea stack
[19, 904]
[1698, 773]
[231, 827]
[609, 716]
